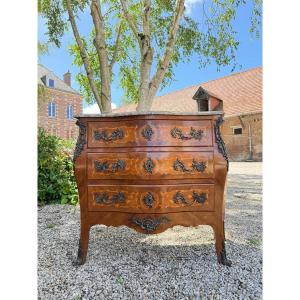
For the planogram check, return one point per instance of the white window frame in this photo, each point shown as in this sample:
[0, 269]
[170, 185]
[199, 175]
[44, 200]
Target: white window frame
[52, 112]
[70, 112]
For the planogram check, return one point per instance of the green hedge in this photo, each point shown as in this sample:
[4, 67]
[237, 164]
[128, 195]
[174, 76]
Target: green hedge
[56, 180]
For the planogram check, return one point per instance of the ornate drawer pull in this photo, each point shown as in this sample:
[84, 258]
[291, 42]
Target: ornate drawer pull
[178, 165]
[149, 200]
[177, 133]
[104, 198]
[178, 197]
[199, 198]
[149, 224]
[199, 166]
[147, 132]
[116, 166]
[117, 134]
[149, 165]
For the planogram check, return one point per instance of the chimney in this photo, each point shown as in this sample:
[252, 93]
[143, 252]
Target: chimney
[67, 78]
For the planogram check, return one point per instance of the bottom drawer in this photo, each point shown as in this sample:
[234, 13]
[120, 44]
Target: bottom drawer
[154, 199]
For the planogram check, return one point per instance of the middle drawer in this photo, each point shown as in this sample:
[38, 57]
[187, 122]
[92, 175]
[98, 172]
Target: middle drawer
[154, 198]
[150, 165]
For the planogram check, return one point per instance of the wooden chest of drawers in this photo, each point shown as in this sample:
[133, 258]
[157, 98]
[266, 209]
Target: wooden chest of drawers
[151, 172]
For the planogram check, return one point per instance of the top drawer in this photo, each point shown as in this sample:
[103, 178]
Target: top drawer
[150, 133]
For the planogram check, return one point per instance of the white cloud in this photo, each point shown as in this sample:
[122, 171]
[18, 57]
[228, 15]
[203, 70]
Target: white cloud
[189, 5]
[94, 108]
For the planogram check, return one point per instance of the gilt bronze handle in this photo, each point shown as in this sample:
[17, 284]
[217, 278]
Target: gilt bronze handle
[104, 198]
[177, 133]
[117, 134]
[104, 166]
[198, 198]
[178, 165]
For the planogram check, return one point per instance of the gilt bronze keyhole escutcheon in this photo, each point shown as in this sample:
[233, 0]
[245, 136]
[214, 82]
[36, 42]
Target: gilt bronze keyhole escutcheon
[149, 165]
[149, 200]
[147, 132]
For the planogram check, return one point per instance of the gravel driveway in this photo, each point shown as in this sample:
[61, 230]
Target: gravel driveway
[177, 264]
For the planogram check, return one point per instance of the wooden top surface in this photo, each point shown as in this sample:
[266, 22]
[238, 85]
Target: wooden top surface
[135, 113]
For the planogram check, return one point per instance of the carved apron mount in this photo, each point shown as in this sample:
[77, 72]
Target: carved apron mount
[149, 224]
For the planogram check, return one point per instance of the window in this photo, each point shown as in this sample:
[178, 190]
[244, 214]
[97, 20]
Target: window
[237, 130]
[51, 109]
[70, 112]
[203, 105]
[51, 83]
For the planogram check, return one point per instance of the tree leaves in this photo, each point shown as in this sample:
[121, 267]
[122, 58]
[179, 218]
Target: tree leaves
[213, 39]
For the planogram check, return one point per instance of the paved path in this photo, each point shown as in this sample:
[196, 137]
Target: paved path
[177, 264]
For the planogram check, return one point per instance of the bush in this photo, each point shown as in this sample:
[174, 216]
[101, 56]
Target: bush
[56, 180]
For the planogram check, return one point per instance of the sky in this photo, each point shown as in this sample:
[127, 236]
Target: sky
[249, 55]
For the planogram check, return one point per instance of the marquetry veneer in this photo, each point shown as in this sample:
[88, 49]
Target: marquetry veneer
[150, 172]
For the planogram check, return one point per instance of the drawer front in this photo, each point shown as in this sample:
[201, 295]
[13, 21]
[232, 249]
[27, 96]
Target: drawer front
[150, 165]
[154, 198]
[150, 133]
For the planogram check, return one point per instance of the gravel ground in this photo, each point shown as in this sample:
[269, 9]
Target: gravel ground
[177, 264]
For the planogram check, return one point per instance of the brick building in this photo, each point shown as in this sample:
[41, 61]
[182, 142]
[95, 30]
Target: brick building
[57, 104]
[240, 97]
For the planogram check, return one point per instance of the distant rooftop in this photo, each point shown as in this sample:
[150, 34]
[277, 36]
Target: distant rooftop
[59, 84]
[241, 94]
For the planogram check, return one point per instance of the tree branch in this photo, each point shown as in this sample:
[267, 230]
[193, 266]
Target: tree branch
[100, 46]
[117, 42]
[165, 61]
[128, 17]
[146, 17]
[84, 56]
[146, 55]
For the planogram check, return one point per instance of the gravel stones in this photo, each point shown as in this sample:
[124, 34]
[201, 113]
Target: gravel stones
[177, 264]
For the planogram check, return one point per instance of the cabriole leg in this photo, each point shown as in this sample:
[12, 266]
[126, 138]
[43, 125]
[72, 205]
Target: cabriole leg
[220, 245]
[83, 244]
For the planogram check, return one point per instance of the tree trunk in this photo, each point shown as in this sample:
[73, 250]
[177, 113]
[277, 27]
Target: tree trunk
[149, 88]
[100, 46]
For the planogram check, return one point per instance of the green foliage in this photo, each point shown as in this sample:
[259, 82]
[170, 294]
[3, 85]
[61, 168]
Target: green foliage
[120, 280]
[43, 48]
[213, 40]
[56, 180]
[256, 242]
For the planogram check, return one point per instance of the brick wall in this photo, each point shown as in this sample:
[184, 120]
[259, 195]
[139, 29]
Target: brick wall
[59, 125]
[237, 145]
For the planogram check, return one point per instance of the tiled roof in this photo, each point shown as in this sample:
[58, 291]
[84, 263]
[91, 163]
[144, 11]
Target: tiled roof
[58, 83]
[241, 94]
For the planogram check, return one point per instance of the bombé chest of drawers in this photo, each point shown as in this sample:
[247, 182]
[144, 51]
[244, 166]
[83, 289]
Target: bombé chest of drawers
[150, 172]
